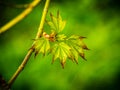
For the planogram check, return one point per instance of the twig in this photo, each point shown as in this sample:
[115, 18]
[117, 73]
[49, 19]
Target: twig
[14, 5]
[45, 10]
[3, 84]
[20, 68]
[20, 16]
[40, 30]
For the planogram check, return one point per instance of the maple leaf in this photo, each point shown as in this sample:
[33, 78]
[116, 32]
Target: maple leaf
[41, 45]
[59, 45]
[56, 23]
[61, 51]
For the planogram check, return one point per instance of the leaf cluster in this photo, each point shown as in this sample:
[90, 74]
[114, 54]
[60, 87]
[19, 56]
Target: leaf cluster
[59, 45]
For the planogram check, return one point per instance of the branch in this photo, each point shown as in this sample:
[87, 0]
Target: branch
[3, 84]
[14, 5]
[20, 16]
[20, 68]
[40, 30]
[45, 10]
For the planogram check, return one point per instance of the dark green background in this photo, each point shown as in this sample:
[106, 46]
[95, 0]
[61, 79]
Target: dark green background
[98, 20]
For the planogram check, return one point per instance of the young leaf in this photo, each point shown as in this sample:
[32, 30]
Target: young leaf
[37, 45]
[61, 23]
[60, 37]
[74, 54]
[56, 52]
[77, 45]
[56, 23]
[61, 51]
[61, 46]
[41, 45]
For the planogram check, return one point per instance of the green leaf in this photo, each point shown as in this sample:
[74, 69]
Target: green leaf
[60, 37]
[56, 52]
[56, 23]
[37, 45]
[78, 46]
[61, 51]
[61, 46]
[61, 23]
[47, 45]
[41, 45]
[74, 54]
[52, 26]
[74, 37]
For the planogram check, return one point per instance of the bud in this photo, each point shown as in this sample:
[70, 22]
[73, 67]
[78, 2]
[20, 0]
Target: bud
[52, 37]
[45, 35]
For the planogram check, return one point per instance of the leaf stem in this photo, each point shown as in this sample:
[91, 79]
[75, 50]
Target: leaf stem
[44, 13]
[20, 68]
[40, 30]
[20, 16]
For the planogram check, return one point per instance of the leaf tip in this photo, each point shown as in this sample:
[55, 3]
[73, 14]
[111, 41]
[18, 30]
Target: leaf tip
[85, 47]
[63, 64]
[81, 37]
[52, 61]
[51, 16]
[83, 56]
[76, 61]
[36, 53]
[58, 13]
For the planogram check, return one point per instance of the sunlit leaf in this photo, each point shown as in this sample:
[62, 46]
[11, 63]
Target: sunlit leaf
[74, 55]
[61, 51]
[61, 46]
[56, 52]
[61, 23]
[56, 23]
[78, 46]
[60, 37]
[52, 25]
[41, 45]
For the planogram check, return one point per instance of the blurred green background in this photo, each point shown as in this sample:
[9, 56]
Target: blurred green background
[98, 20]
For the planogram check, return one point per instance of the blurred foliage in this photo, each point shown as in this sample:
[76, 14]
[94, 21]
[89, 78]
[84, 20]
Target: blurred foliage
[98, 20]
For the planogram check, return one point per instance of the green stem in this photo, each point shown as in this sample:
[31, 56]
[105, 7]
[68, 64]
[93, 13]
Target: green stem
[45, 10]
[20, 68]
[20, 16]
[40, 30]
